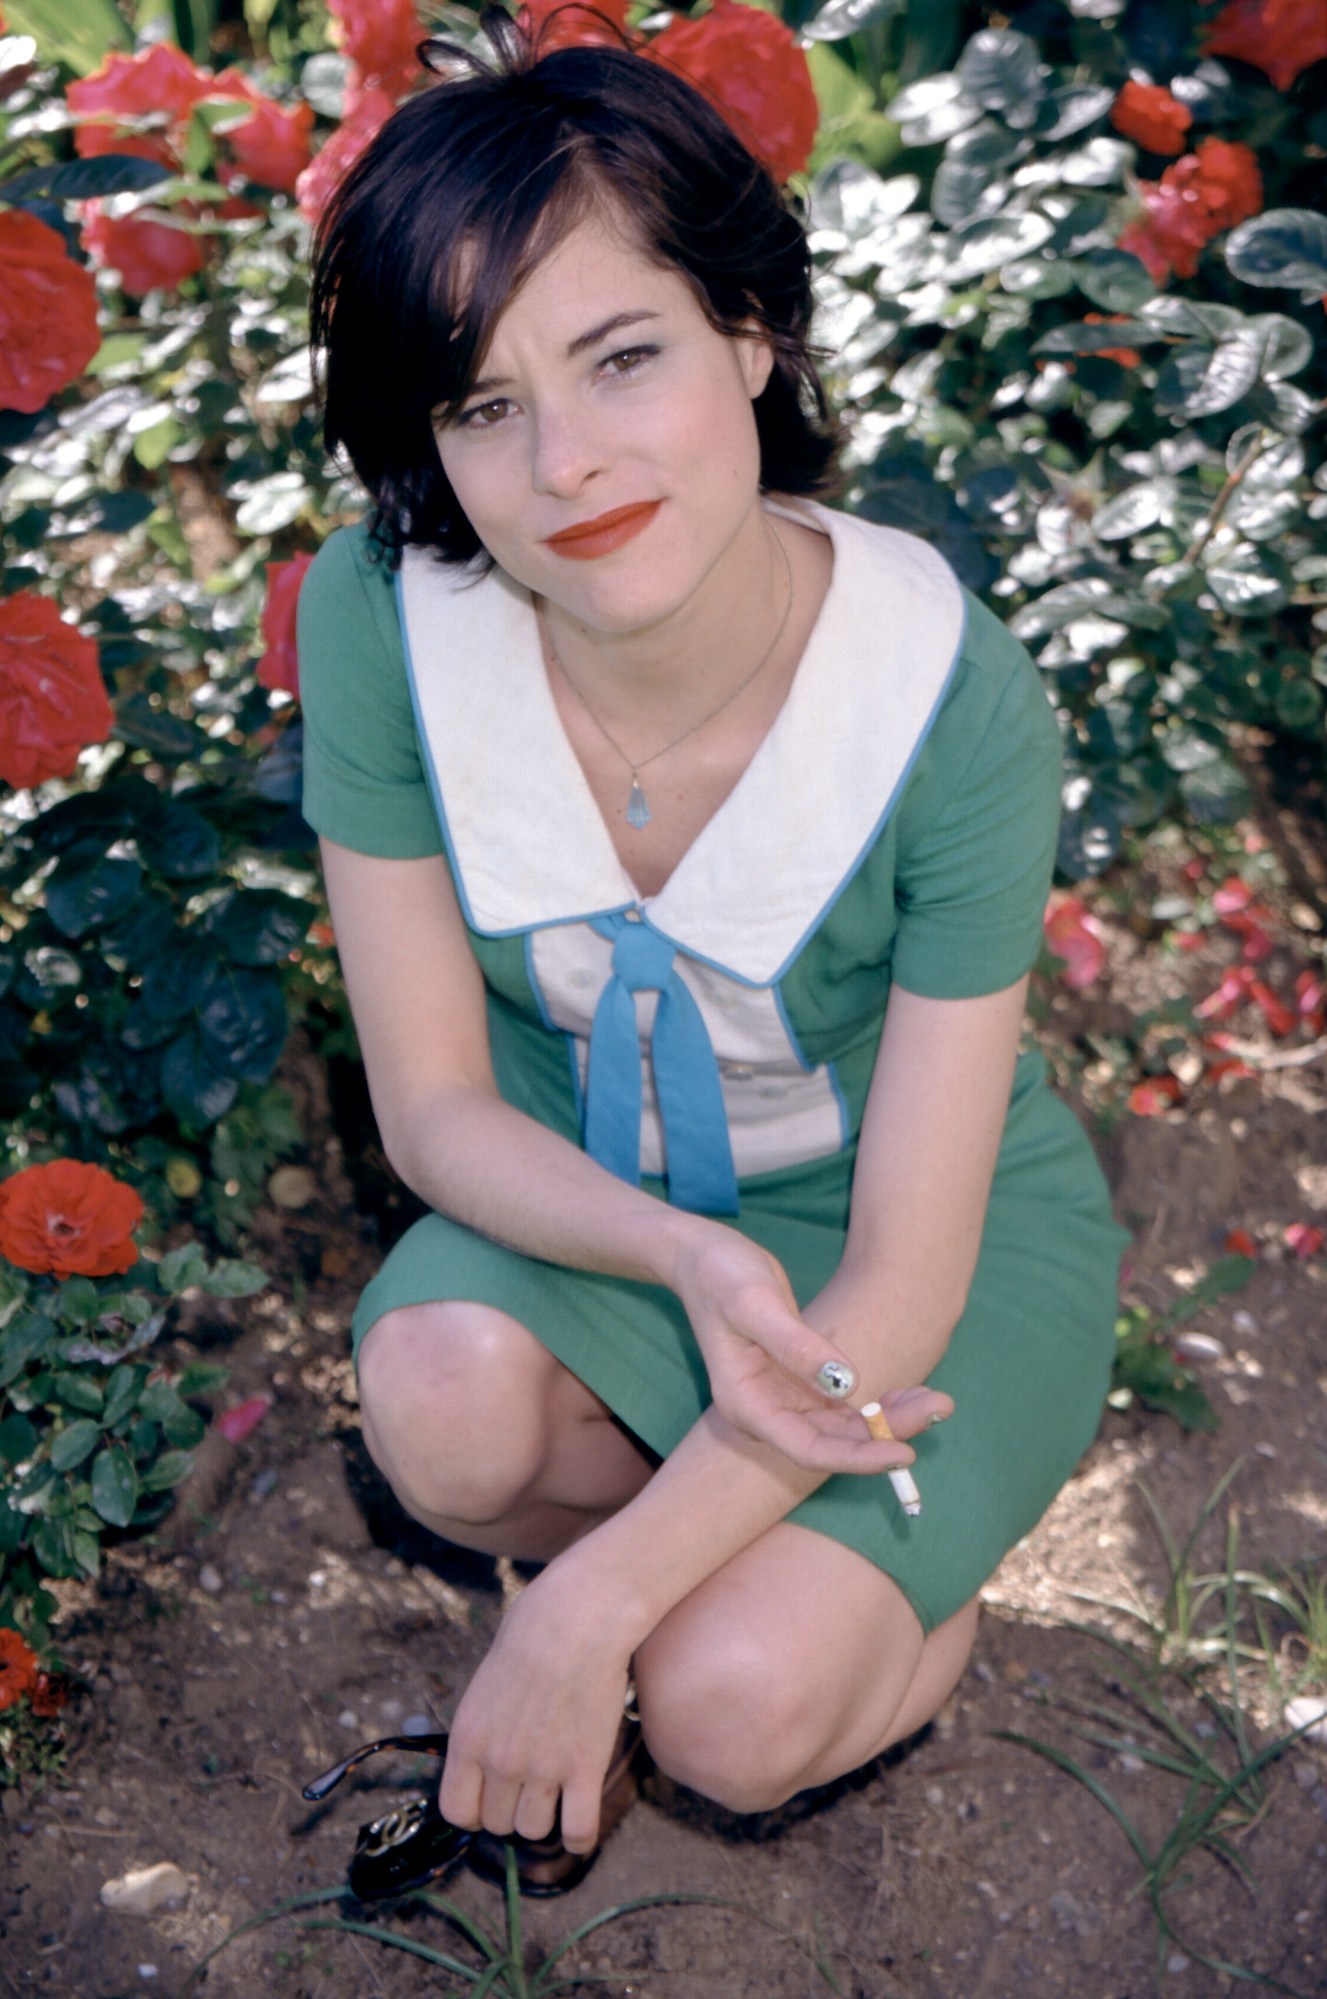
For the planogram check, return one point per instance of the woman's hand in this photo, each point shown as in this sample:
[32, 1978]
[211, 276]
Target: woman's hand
[763, 1359]
[539, 1720]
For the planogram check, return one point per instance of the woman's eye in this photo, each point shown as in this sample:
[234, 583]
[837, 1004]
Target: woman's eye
[629, 360]
[483, 416]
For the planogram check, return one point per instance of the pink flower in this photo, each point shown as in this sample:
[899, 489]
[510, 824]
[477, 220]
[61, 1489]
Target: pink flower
[318, 182]
[1074, 934]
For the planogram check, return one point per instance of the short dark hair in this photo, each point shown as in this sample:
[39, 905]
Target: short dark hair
[493, 165]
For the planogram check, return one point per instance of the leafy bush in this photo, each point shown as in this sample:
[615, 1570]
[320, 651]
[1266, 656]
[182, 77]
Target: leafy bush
[1127, 461]
[93, 1434]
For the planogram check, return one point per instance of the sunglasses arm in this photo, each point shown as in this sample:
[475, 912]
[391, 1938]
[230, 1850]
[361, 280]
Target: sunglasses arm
[427, 1745]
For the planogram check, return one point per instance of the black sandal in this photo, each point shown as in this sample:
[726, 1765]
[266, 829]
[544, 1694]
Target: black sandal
[414, 1845]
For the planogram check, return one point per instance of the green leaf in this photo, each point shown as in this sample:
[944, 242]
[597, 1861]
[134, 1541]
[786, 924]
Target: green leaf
[992, 240]
[972, 161]
[18, 1439]
[1243, 580]
[191, 1085]
[90, 888]
[80, 1391]
[273, 503]
[932, 110]
[78, 1301]
[78, 33]
[167, 1471]
[1136, 508]
[82, 180]
[1113, 280]
[24, 1339]
[85, 1549]
[182, 1426]
[1001, 70]
[177, 842]
[1284, 247]
[847, 17]
[144, 727]
[74, 1443]
[1288, 345]
[230, 1278]
[181, 1268]
[1200, 381]
[1080, 338]
[243, 1025]
[115, 1486]
[52, 1546]
[257, 926]
[201, 1377]
[121, 1394]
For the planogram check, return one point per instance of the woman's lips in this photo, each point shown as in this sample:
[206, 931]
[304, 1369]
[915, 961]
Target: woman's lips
[590, 539]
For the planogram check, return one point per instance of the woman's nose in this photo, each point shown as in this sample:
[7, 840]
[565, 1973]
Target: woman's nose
[568, 451]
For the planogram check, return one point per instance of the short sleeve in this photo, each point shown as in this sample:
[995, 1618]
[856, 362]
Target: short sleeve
[364, 782]
[978, 825]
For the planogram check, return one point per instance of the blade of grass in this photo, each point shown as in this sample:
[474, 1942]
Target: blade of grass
[1089, 1782]
[309, 1901]
[458, 1917]
[395, 1941]
[515, 1940]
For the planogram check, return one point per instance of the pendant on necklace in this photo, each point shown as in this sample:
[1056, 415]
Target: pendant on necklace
[638, 812]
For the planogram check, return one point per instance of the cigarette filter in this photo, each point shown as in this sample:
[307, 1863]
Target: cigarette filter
[903, 1482]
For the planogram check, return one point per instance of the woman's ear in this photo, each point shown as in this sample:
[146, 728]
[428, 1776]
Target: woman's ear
[755, 357]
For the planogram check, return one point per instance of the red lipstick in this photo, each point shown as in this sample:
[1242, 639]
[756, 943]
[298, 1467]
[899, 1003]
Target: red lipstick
[588, 540]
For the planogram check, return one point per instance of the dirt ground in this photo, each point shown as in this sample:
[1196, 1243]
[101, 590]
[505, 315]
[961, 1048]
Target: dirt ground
[288, 1610]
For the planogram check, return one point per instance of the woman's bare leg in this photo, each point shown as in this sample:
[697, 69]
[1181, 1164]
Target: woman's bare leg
[484, 1437]
[794, 1663]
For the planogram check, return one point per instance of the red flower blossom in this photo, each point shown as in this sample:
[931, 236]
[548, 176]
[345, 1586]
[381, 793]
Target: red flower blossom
[52, 698]
[1154, 1095]
[380, 37]
[68, 1219]
[49, 1693]
[1280, 37]
[148, 255]
[1074, 934]
[18, 1667]
[1201, 195]
[1128, 357]
[570, 24]
[238, 1423]
[1148, 114]
[271, 146]
[749, 66]
[48, 313]
[279, 666]
[1305, 1241]
[1311, 999]
[318, 182]
[160, 82]
[1240, 1243]
[1275, 1012]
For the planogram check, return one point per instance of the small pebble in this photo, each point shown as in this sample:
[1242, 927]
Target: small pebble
[934, 1795]
[144, 1890]
[147, 1970]
[1133, 1764]
[1309, 1712]
[418, 1724]
[391, 1710]
[262, 1485]
[292, 1187]
[209, 1579]
[347, 1718]
[1199, 1346]
[1177, 1961]
[104, 1815]
[1244, 1322]
[1265, 1450]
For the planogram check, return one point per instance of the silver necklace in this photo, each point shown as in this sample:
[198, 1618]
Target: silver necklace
[638, 811]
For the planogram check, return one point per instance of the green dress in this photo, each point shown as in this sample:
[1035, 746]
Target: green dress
[715, 1042]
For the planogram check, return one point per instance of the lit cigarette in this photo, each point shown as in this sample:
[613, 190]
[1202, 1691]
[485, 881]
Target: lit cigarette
[903, 1482]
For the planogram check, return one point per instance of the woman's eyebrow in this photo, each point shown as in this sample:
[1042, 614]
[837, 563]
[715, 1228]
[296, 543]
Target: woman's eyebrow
[487, 383]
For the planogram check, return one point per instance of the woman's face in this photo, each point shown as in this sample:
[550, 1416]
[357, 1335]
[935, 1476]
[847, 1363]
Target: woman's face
[607, 456]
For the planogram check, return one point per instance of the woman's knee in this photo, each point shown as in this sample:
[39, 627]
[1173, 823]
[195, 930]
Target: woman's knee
[726, 1718]
[453, 1403]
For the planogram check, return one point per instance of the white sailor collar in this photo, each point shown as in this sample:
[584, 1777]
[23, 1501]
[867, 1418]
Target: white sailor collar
[526, 839]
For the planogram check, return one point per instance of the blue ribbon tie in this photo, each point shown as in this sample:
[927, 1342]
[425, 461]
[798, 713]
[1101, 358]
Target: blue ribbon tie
[701, 1175]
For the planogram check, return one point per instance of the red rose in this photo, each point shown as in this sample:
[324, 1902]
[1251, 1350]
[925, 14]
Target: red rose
[1281, 37]
[160, 82]
[272, 146]
[48, 313]
[68, 1219]
[1150, 116]
[570, 24]
[380, 37]
[279, 665]
[1206, 192]
[52, 700]
[366, 117]
[751, 69]
[18, 1668]
[149, 255]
